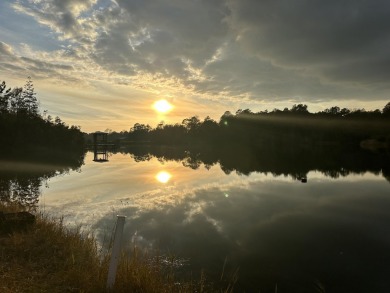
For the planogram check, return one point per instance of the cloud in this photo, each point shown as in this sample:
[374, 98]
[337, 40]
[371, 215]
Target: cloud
[36, 64]
[192, 44]
[5, 49]
[237, 51]
[239, 74]
[62, 16]
[161, 37]
[338, 40]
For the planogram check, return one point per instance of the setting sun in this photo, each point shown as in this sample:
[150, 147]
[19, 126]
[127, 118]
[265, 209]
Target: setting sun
[163, 177]
[162, 106]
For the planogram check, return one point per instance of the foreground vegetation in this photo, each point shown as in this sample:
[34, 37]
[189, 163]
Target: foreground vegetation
[49, 257]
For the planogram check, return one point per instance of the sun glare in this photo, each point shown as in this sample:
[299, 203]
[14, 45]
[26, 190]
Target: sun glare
[163, 177]
[162, 106]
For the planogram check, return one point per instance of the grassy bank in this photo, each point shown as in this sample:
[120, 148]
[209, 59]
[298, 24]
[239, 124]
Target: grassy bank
[48, 257]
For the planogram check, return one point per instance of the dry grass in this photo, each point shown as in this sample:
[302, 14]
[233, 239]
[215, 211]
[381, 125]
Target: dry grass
[48, 257]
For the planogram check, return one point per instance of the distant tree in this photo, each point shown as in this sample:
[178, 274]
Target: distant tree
[29, 98]
[386, 110]
[225, 118]
[17, 104]
[333, 111]
[4, 98]
[191, 123]
[344, 112]
[58, 121]
[21, 101]
[49, 119]
[300, 108]
[139, 131]
[140, 128]
[246, 113]
[160, 125]
[208, 128]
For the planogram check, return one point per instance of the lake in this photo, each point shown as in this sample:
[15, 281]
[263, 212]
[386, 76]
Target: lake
[268, 226]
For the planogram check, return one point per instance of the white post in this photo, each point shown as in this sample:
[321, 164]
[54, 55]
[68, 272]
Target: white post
[120, 222]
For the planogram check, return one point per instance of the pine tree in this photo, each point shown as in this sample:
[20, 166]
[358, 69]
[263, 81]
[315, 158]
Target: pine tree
[29, 98]
[4, 97]
[17, 103]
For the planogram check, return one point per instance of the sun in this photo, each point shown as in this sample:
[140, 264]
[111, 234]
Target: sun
[162, 106]
[163, 177]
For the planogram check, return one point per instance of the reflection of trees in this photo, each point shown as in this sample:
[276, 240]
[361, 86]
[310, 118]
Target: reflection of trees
[141, 158]
[22, 184]
[192, 161]
[334, 162]
[23, 189]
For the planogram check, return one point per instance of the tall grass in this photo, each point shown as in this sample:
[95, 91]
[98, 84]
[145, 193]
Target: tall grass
[49, 257]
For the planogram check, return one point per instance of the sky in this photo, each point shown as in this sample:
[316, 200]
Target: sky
[102, 64]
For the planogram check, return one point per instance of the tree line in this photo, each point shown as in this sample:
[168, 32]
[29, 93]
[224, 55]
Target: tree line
[290, 127]
[23, 127]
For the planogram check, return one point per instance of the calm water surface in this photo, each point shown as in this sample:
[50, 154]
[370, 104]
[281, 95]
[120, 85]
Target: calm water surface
[326, 235]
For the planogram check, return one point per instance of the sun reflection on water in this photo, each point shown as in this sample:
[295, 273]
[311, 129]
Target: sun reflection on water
[163, 176]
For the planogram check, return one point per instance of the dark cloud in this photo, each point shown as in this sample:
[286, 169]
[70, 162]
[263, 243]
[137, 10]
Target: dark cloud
[63, 17]
[272, 48]
[239, 73]
[160, 36]
[343, 40]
